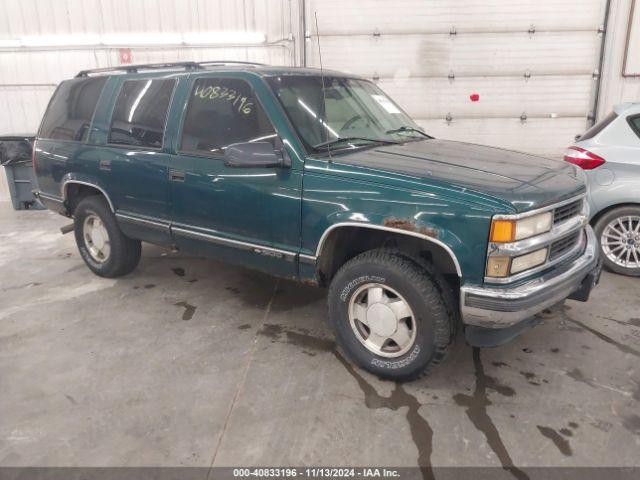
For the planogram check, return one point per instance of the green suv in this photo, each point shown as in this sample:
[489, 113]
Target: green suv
[320, 177]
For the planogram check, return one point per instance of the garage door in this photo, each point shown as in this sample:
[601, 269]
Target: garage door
[518, 74]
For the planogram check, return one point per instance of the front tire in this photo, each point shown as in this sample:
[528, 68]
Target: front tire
[619, 234]
[389, 316]
[103, 247]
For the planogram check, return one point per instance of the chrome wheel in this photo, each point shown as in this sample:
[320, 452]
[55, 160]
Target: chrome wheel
[96, 238]
[382, 320]
[620, 241]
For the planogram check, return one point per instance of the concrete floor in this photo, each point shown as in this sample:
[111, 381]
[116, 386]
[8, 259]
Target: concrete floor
[191, 362]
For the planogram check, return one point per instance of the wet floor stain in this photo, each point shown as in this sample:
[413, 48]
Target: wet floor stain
[71, 399]
[632, 424]
[620, 346]
[193, 280]
[578, 376]
[531, 378]
[499, 364]
[179, 271]
[476, 409]
[421, 431]
[20, 287]
[148, 286]
[566, 432]
[245, 326]
[561, 443]
[554, 350]
[189, 310]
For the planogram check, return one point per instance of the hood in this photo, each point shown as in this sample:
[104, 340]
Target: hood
[526, 181]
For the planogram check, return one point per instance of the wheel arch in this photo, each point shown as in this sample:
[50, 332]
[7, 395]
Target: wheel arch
[343, 241]
[609, 208]
[74, 190]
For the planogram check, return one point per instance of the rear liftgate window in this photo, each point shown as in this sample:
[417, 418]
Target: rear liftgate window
[140, 113]
[70, 111]
[223, 111]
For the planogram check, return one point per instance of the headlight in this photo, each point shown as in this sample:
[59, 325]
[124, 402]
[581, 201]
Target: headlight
[505, 231]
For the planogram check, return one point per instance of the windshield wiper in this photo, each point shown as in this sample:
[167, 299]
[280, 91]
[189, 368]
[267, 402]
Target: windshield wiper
[409, 129]
[330, 143]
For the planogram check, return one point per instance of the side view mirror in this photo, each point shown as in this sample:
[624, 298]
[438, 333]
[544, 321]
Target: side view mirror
[254, 155]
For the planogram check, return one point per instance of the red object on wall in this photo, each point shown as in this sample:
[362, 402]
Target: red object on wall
[125, 55]
[474, 97]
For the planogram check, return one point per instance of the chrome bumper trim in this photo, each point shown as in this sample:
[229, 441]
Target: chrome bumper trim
[500, 307]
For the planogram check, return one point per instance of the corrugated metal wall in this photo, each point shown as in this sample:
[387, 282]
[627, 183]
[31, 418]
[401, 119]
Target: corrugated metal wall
[617, 88]
[531, 62]
[28, 76]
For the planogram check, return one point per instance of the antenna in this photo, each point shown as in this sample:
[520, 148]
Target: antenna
[324, 97]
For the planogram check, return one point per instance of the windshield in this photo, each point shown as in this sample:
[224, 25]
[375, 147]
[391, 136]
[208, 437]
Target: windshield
[351, 113]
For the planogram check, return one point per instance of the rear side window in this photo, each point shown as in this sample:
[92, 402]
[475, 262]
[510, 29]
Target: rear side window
[223, 111]
[634, 123]
[140, 113]
[70, 111]
[598, 127]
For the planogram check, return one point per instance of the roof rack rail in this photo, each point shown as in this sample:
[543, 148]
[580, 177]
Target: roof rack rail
[168, 65]
[214, 63]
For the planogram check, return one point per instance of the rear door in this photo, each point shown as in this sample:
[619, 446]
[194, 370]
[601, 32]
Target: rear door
[249, 216]
[135, 161]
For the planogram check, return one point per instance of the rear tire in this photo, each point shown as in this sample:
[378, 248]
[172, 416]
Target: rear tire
[402, 345]
[103, 247]
[617, 239]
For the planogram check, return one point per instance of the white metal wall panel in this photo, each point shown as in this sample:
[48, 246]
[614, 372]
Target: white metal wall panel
[28, 76]
[550, 137]
[615, 87]
[525, 58]
[337, 17]
[569, 96]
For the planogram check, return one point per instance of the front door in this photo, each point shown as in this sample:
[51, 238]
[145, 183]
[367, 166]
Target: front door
[247, 216]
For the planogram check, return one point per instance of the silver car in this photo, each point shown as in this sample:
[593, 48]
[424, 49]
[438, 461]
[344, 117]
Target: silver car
[609, 154]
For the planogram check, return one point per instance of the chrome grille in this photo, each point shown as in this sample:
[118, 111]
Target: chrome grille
[562, 246]
[567, 211]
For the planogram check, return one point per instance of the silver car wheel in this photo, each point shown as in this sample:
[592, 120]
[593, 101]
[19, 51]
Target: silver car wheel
[620, 241]
[382, 320]
[96, 238]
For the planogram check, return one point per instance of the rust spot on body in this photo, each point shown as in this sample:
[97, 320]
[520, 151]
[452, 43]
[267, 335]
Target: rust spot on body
[410, 226]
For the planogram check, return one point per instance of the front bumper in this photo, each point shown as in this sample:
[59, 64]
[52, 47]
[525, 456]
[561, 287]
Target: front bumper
[490, 307]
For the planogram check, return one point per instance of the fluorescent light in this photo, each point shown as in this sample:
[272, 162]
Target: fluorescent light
[215, 38]
[9, 43]
[59, 40]
[132, 39]
[135, 39]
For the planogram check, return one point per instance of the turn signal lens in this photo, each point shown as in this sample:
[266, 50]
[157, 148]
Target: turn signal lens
[498, 266]
[503, 231]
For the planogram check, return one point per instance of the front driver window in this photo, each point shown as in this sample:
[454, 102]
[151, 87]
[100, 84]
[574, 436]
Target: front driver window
[223, 111]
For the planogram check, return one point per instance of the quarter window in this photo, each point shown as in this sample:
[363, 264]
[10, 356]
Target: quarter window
[140, 113]
[70, 111]
[223, 111]
[634, 122]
